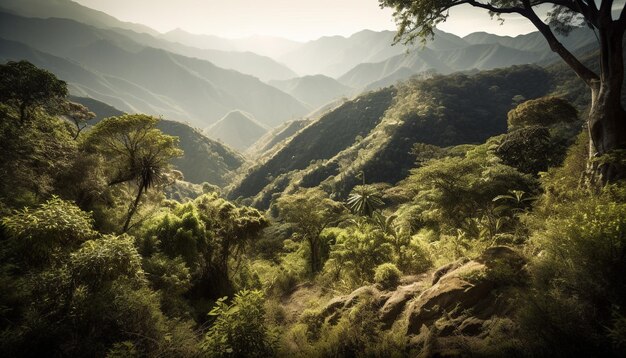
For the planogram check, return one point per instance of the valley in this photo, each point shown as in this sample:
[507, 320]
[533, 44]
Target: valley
[171, 193]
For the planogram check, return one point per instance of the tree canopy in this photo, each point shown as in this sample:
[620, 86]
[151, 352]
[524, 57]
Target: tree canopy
[135, 150]
[26, 87]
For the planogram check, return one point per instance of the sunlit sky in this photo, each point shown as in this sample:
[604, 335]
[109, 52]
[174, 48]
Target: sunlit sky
[300, 20]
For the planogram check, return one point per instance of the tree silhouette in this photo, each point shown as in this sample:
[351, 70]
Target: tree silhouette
[607, 118]
[26, 88]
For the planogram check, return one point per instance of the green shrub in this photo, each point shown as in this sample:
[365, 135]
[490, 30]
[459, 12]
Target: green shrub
[240, 328]
[356, 253]
[45, 234]
[579, 284]
[100, 262]
[387, 275]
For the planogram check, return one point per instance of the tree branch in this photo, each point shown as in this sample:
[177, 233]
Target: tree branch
[499, 10]
[581, 70]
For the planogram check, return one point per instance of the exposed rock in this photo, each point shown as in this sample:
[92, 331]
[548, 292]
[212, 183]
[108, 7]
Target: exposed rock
[335, 308]
[397, 300]
[450, 293]
[447, 268]
[467, 299]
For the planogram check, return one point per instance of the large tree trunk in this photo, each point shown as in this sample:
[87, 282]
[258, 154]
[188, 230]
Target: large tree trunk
[607, 136]
[607, 118]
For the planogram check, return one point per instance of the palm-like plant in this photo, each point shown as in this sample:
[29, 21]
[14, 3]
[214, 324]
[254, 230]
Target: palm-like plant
[136, 151]
[516, 201]
[364, 200]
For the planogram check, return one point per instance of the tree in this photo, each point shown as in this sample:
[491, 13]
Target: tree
[607, 118]
[544, 111]
[311, 211]
[26, 87]
[208, 234]
[134, 150]
[79, 115]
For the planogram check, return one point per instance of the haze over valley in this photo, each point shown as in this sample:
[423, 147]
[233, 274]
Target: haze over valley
[204, 77]
[312, 178]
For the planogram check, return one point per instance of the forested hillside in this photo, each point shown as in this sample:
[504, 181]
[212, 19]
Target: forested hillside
[439, 259]
[320, 140]
[181, 193]
[203, 159]
[442, 111]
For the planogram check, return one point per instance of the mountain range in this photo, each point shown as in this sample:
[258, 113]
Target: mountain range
[111, 67]
[202, 79]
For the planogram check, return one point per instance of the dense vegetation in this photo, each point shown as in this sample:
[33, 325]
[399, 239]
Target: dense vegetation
[203, 160]
[442, 111]
[476, 238]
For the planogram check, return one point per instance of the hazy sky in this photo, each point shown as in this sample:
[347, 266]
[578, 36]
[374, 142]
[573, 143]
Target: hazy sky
[295, 19]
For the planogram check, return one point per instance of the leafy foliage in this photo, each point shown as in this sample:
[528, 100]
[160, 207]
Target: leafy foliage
[239, 329]
[27, 88]
[364, 200]
[355, 254]
[135, 150]
[545, 111]
[311, 211]
[45, 235]
[387, 275]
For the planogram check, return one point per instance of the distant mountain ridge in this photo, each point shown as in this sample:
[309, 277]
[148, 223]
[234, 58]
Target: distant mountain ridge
[263, 45]
[477, 51]
[335, 55]
[246, 62]
[315, 90]
[70, 10]
[108, 66]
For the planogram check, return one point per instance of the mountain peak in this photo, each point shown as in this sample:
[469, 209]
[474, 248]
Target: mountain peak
[238, 129]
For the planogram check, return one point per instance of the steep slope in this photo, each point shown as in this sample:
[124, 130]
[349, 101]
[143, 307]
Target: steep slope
[237, 129]
[334, 56]
[203, 160]
[246, 62]
[272, 138]
[442, 111]
[321, 140]
[68, 9]
[84, 82]
[315, 90]
[135, 78]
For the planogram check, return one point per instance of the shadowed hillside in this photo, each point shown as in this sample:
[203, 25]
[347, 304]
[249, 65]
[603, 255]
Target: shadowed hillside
[203, 160]
[237, 129]
[320, 140]
[442, 111]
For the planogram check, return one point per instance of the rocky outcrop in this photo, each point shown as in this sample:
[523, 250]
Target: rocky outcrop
[459, 303]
